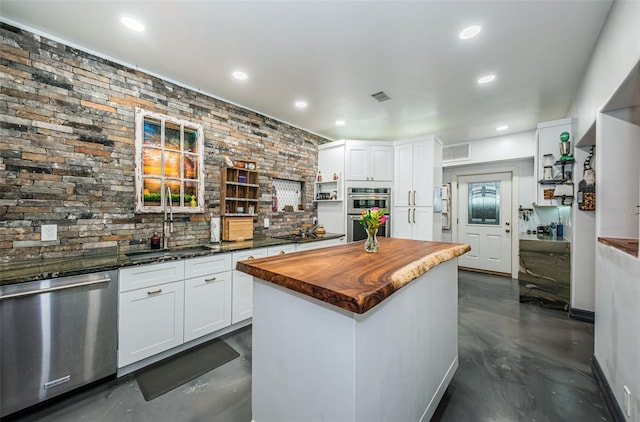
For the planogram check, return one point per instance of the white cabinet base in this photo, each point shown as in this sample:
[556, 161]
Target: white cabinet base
[315, 362]
[207, 304]
[150, 321]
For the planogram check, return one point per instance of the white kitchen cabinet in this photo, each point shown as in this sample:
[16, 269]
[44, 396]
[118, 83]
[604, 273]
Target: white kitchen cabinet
[150, 321]
[418, 171]
[242, 290]
[207, 295]
[141, 276]
[415, 223]
[318, 244]
[281, 249]
[369, 160]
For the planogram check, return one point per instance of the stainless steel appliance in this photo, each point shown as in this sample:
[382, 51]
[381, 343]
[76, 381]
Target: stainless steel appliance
[57, 335]
[359, 198]
[365, 198]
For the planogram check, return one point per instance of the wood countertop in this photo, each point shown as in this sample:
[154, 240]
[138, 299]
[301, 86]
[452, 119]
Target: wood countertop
[629, 246]
[350, 278]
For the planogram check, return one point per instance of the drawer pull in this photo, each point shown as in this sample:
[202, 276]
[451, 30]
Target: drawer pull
[282, 252]
[250, 257]
[210, 279]
[153, 292]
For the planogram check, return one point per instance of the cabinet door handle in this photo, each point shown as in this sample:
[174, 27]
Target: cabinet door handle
[282, 252]
[154, 292]
[210, 279]
[414, 215]
[414, 198]
[409, 216]
[408, 197]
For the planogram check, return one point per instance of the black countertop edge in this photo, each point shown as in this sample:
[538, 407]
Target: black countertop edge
[25, 271]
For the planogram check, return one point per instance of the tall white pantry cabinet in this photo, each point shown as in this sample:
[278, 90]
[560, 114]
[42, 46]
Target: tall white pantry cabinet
[416, 189]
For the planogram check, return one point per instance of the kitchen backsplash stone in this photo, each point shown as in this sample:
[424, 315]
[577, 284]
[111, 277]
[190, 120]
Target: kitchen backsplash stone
[67, 151]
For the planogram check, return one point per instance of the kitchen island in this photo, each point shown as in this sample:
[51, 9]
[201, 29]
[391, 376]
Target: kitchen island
[343, 335]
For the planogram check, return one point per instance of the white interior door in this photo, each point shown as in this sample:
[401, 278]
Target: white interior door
[484, 221]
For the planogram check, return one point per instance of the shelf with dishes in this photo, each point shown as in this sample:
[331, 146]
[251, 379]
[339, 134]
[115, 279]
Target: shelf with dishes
[327, 190]
[240, 194]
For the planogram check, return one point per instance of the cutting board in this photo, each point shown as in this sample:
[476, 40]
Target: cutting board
[237, 228]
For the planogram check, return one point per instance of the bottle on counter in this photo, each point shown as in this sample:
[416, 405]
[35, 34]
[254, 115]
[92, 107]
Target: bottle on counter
[559, 230]
[155, 241]
[274, 200]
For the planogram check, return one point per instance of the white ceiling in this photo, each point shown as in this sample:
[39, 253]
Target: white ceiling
[335, 54]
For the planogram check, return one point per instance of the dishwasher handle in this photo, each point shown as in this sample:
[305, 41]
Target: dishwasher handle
[104, 279]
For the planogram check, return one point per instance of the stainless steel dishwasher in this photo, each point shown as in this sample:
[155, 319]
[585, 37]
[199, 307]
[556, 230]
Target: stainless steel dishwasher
[56, 335]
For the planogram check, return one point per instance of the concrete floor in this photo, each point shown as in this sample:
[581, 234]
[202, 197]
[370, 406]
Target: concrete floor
[517, 362]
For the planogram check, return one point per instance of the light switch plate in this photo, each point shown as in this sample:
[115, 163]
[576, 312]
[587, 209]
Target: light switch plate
[48, 232]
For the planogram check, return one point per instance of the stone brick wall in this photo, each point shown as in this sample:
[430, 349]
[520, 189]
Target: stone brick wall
[67, 152]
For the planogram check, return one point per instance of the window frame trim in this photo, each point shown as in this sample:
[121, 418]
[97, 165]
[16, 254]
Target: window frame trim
[140, 115]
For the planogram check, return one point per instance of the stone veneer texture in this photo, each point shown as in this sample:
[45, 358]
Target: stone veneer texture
[67, 152]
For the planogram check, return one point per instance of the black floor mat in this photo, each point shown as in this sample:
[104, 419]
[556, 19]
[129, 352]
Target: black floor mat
[172, 372]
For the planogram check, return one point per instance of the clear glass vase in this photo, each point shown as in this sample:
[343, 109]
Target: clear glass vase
[371, 243]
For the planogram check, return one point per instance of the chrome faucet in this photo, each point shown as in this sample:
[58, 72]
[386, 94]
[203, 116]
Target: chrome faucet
[166, 231]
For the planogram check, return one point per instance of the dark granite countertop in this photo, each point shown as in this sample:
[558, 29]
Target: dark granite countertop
[525, 236]
[23, 271]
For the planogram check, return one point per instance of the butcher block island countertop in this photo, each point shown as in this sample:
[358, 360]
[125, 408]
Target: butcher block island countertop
[350, 278]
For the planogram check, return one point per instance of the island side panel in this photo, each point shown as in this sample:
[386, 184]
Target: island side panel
[407, 349]
[313, 361]
[302, 357]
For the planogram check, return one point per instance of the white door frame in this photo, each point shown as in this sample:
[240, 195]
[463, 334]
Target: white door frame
[515, 223]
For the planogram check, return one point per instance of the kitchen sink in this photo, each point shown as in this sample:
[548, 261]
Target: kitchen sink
[297, 237]
[168, 253]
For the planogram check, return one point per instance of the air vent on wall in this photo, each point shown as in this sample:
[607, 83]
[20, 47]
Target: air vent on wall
[381, 96]
[457, 152]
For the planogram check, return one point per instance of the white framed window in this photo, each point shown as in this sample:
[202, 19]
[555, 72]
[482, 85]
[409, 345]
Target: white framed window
[169, 163]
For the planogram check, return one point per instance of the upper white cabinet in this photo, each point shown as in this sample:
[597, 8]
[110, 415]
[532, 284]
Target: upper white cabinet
[418, 171]
[369, 160]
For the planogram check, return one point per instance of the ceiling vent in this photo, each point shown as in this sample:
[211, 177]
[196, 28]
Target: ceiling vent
[381, 96]
[459, 152]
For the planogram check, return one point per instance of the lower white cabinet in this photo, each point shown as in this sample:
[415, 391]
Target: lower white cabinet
[318, 244]
[164, 305]
[207, 296]
[150, 321]
[242, 292]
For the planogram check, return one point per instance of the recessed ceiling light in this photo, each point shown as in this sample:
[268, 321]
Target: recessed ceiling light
[301, 104]
[132, 24]
[240, 75]
[470, 32]
[503, 127]
[486, 79]
[340, 122]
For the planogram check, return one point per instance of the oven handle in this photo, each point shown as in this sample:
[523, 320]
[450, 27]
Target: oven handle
[105, 279]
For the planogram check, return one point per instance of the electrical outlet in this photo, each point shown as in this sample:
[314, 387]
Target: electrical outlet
[266, 223]
[48, 232]
[627, 401]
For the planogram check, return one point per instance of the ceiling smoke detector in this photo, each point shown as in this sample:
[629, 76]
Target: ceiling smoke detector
[381, 96]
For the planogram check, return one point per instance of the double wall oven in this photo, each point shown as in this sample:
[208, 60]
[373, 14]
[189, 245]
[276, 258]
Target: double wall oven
[359, 198]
